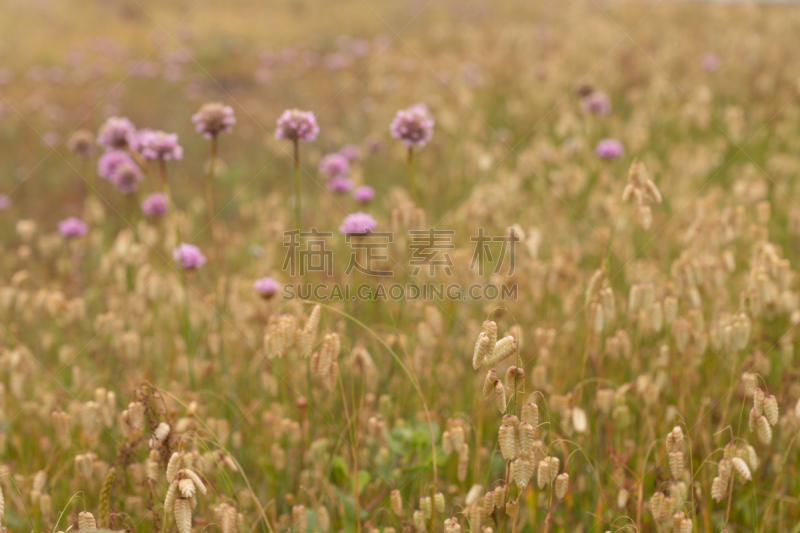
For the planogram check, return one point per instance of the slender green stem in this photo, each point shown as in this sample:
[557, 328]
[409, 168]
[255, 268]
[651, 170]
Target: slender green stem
[212, 164]
[411, 177]
[297, 215]
[186, 330]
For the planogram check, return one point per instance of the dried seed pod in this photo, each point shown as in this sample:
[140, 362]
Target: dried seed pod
[526, 435]
[677, 518]
[562, 485]
[667, 508]
[499, 497]
[474, 514]
[753, 420]
[182, 512]
[174, 465]
[514, 375]
[508, 442]
[554, 464]
[686, 525]
[771, 409]
[543, 475]
[530, 415]
[758, 401]
[160, 434]
[656, 504]
[490, 330]
[488, 503]
[438, 502]
[523, 470]
[500, 396]
[511, 508]
[299, 522]
[313, 321]
[186, 488]
[718, 489]
[764, 431]
[86, 521]
[426, 506]
[676, 464]
[172, 494]
[741, 468]
[481, 350]
[396, 500]
[488, 384]
[505, 347]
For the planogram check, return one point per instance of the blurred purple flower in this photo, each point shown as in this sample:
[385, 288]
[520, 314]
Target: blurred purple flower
[710, 63]
[333, 165]
[295, 124]
[608, 149]
[364, 194]
[156, 205]
[350, 151]
[413, 126]
[5, 202]
[596, 103]
[72, 227]
[266, 287]
[110, 160]
[189, 256]
[358, 224]
[340, 184]
[126, 177]
[156, 144]
[214, 118]
[115, 133]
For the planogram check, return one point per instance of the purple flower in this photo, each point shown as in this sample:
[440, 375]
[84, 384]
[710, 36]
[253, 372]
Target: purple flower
[115, 133]
[72, 227]
[413, 126]
[710, 62]
[156, 205]
[364, 194]
[358, 224]
[608, 149]
[155, 144]
[333, 165]
[266, 287]
[214, 118]
[189, 256]
[340, 184]
[110, 160]
[350, 151]
[296, 125]
[596, 103]
[5, 202]
[126, 177]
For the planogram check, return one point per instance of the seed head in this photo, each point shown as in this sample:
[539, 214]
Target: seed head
[523, 470]
[741, 468]
[396, 500]
[764, 430]
[562, 485]
[771, 409]
[213, 119]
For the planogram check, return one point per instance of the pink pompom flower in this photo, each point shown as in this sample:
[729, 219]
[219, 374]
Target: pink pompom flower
[297, 125]
[358, 224]
[189, 256]
[413, 126]
[72, 228]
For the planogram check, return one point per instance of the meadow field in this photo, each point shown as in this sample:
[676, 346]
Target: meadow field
[375, 266]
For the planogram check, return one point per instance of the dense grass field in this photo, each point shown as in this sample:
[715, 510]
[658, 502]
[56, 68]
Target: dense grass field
[380, 267]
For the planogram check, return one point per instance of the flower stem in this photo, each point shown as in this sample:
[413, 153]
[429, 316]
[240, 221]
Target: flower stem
[411, 176]
[297, 216]
[209, 185]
